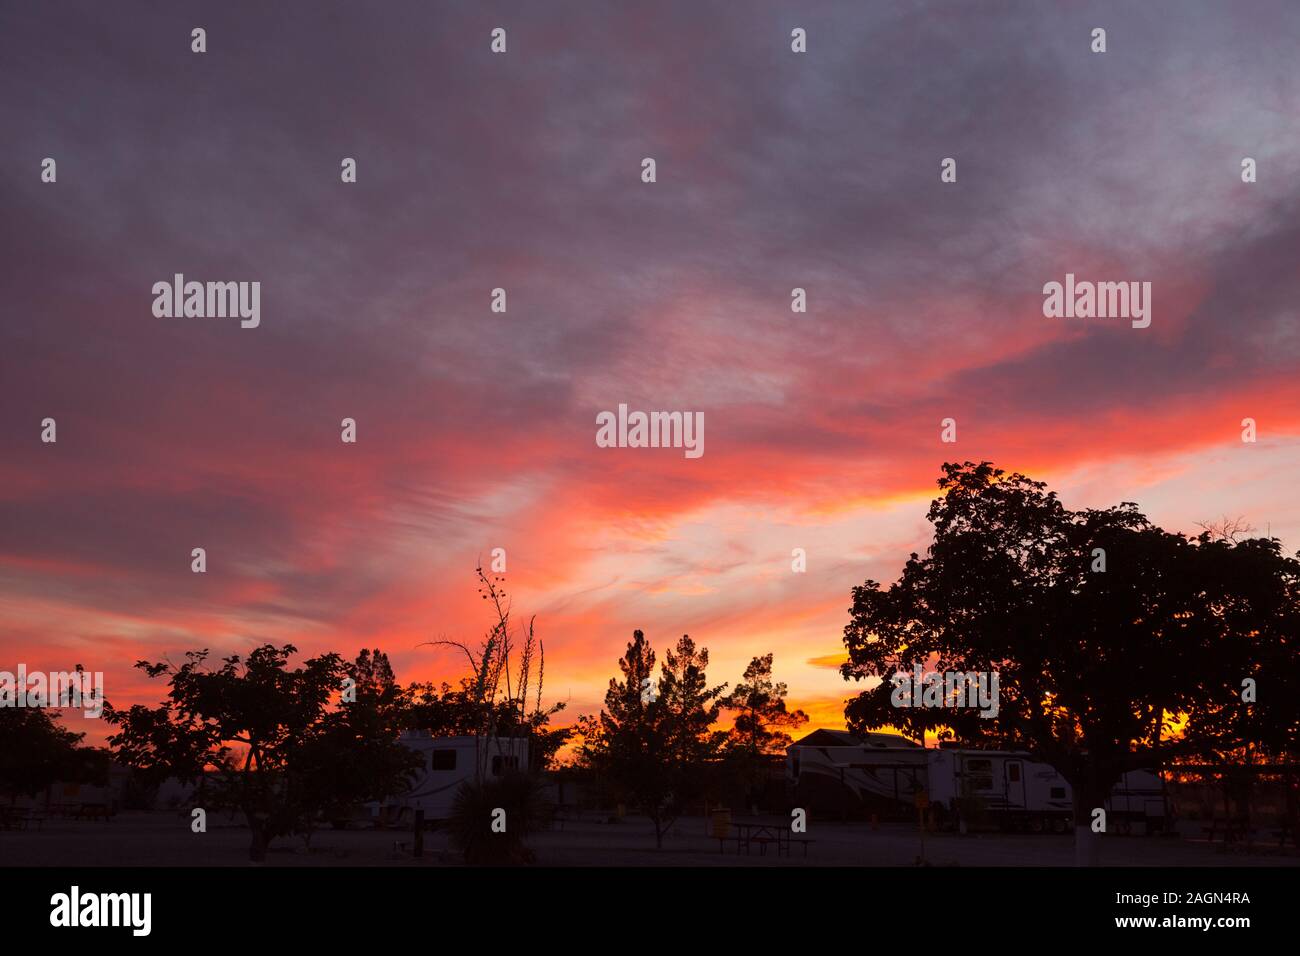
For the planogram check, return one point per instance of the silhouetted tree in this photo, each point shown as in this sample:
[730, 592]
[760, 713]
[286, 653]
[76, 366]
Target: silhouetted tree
[690, 706]
[1258, 597]
[36, 752]
[350, 756]
[760, 724]
[269, 731]
[628, 744]
[1094, 666]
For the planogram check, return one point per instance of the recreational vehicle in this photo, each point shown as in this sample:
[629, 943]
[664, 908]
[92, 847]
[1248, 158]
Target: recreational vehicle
[836, 772]
[1006, 788]
[884, 773]
[1015, 791]
[449, 762]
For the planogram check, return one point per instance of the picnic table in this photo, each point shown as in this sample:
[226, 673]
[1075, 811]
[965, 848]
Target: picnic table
[764, 834]
[1283, 833]
[92, 811]
[20, 818]
[1232, 829]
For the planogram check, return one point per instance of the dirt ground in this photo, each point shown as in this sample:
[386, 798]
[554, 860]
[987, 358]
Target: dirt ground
[165, 839]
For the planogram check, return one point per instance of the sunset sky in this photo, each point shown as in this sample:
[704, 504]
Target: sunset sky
[522, 170]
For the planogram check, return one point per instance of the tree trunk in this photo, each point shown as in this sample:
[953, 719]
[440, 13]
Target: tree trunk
[258, 841]
[1227, 808]
[1087, 797]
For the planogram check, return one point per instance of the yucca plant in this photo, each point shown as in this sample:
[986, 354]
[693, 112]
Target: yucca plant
[486, 837]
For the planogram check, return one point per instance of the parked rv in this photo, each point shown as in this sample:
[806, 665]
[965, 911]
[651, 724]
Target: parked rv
[448, 763]
[1006, 788]
[883, 773]
[835, 772]
[1015, 791]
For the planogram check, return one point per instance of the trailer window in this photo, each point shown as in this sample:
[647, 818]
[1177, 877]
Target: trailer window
[1013, 772]
[1058, 793]
[443, 760]
[979, 775]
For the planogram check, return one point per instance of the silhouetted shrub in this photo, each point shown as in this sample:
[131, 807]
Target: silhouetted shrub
[474, 815]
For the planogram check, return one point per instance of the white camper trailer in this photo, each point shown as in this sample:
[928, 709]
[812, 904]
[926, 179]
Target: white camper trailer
[1016, 791]
[1139, 804]
[1008, 789]
[876, 770]
[1011, 788]
[448, 763]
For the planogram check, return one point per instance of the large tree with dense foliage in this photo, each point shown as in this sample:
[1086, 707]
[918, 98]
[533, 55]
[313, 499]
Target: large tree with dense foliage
[350, 758]
[1104, 629]
[761, 721]
[282, 750]
[1247, 742]
[654, 742]
[653, 739]
[691, 707]
[762, 717]
[35, 752]
[627, 744]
